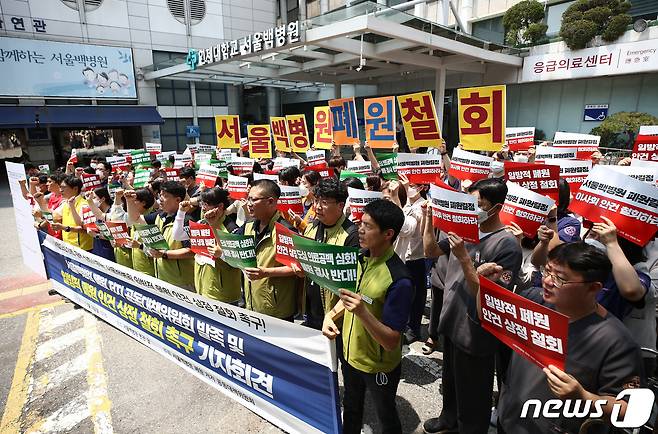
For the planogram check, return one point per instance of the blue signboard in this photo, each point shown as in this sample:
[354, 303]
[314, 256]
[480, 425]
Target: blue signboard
[595, 112]
[193, 131]
[58, 69]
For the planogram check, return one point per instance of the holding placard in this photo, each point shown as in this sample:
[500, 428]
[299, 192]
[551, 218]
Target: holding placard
[358, 199]
[455, 212]
[152, 237]
[344, 124]
[468, 165]
[322, 132]
[419, 168]
[238, 251]
[237, 187]
[290, 200]
[525, 208]
[380, 122]
[421, 125]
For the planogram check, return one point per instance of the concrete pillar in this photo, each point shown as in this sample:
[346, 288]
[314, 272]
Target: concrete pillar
[466, 15]
[338, 91]
[324, 6]
[302, 10]
[439, 94]
[273, 101]
[195, 111]
[283, 11]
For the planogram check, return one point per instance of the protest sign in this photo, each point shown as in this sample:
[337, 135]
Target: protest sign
[290, 200]
[259, 176]
[419, 168]
[202, 236]
[152, 237]
[73, 159]
[113, 187]
[44, 168]
[164, 158]
[182, 160]
[323, 170]
[142, 177]
[534, 331]
[238, 251]
[191, 149]
[645, 174]
[380, 121]
[298, 133]
[586, 144]
[252, 358]
[322, 134]
[482, 117]
[228, 131]
[358, 199]
[153, 148]
[525, 208]
[573, 171]
[421, 125]
[172, 174]
[283, 162]
[207, 175]
[259, 141]
[632, 205]
[645, 147]
[453, 211]
[237, 187]
[315, 158]
[344, 174]
[120, 233]
[140, 158]
[88, 218]
[104, 230]
[242, 165]
[344, 123]
[468, 165]
[201, 158]
[206, 149]
[363, 167]
[519, 138]
[540, 178]
[550, 153]
[332, 267]
[279, 128]
[285, 248]
[388, 164]
[48, 216]
[118, 163]
[90, 182]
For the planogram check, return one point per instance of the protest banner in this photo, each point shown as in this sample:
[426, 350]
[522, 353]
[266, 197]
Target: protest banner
[279, 128]
[224, 154]
[525, 208]
[454, 211]
[152, 237]
[285, 248]
[316, 158]
[206, 149]
[191, 149]
[540, 178]
[202, 236]
[298, 133]
[142, 177]
[290, 200]
[124, 152]
[519, 138]
[330, 266]
[153, 148]
[363, 167]
[550, 153]
[242, 165]
[344, 174]
[259, 176]
[104, 230]
[238, 251]
[259, 141]
[228, 131]
[237, 187]
[140, 158]
[468, 165]
[182, 160]
[586, 144]
[388, 164]
[421, 125]
[164, 158]
[645, 174]
[344, 123]
[573, 171]
[112, 187]
[283, 162]
[482, 117]
[119, 163]
[44, 168]
[380, 121]
[254, 359]
[358, 199]
[207, 176]
[632, 205]
[323, 170]
[88, 218]
[322, 133]
[90, 182]
[645, 147]
[533, 331]
[172, 174]
[419, 168]
[120, 233]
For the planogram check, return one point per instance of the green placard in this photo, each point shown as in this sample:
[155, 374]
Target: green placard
[105, 232]
[344, 174]
[140, 158]
[152, 237]
[388, 163]
[331, 267]
[239, 251]
[47, 216]
[221, 165]
[44, 168]
[142, 178]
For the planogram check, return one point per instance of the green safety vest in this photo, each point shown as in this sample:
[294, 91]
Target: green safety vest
[274, 296]
[360, 349]
[178, 272]
[123, 256]
[141, 261]
[221, 282]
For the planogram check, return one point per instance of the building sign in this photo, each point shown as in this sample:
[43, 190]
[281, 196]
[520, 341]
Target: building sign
[193, 131]
[62, 69]
[613, 59]
[276, 37]
[19, 23]
[595, 112]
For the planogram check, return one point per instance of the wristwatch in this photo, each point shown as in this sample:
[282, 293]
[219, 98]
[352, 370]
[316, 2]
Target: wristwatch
[67, 229]
[164, 255]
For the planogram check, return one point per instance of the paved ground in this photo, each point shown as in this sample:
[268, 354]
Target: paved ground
[61, 370]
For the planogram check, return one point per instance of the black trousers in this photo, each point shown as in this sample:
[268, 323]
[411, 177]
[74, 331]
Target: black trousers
[435, 313]
[417, 269]
[467, 389]
[383, 389]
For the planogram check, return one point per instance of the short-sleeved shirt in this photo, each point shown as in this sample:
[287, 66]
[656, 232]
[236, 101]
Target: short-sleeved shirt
[568, 229]
[398, 304]
[601, 355]
[610, 298]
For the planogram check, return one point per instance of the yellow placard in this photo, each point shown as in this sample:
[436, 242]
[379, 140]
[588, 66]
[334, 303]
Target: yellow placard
[260, 145]
[482, 117]
[227, 128]
[279, 128]
[298, 133]
[322, 128]
[421, 125]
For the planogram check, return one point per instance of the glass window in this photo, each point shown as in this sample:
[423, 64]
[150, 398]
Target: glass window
[173, 92]
[210, 94]
[554, 17]
[207, 126]
[172, 134]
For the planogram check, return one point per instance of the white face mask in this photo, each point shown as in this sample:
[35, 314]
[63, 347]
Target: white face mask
[303, 190]
[92, 165]
[521, 158]
[100, 173]
[97, 203]
[412, 192]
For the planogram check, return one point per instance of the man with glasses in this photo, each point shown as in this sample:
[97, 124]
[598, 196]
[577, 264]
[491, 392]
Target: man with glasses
[330, 226]
[270, 288]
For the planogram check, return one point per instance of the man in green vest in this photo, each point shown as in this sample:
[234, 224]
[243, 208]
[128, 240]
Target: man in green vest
[375, 318]
[176, 264]
[271, 288]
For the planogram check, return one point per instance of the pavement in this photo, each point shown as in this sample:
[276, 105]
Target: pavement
[62, 370]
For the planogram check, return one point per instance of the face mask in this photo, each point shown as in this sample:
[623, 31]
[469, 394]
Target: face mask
[497, 167]
[97, 203]
[412, 192]
[482, 215]
[303, 190]
[92, 165]
[100, 173]
[521, 158]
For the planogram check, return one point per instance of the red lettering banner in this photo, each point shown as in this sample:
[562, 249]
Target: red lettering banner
[453, 211]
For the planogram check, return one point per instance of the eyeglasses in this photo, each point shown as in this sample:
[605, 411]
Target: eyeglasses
[252, 200]
[558, 282]
[323, 203]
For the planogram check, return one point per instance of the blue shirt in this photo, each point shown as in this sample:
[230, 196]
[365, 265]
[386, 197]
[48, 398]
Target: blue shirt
[610, 298]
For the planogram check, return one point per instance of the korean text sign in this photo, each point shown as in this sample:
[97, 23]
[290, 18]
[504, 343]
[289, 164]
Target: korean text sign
[285, 248]
[238, 251]
[540, 178]
[388, 164]
[152, 237]
[263, 363]
[632, 205]
[279, 128]
[237, 187]
[120, 233]
[468, 165]
[551, 153]
[482, 117]
[290, 199]
[646, 144]
[453, 211]
[298, 133]
[358, 199]
[421, 124]
[586, 144]
[419, 168]
[519, 138]
[202, 237]
[259, 141]
[344, 124]
[525, 208]
[207, 175]
[534, 331]
[322, 132]
[573, 171]
[380, 121]
[228, 131]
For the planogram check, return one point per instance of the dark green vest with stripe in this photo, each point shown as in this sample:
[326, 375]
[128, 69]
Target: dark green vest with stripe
[179, 272]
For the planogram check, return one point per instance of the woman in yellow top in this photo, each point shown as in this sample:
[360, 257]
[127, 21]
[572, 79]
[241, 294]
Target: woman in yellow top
[73, 231]
[307, 184]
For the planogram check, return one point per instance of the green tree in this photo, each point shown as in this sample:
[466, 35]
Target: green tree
[585, 19]
[619, 130]
[523, 23]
